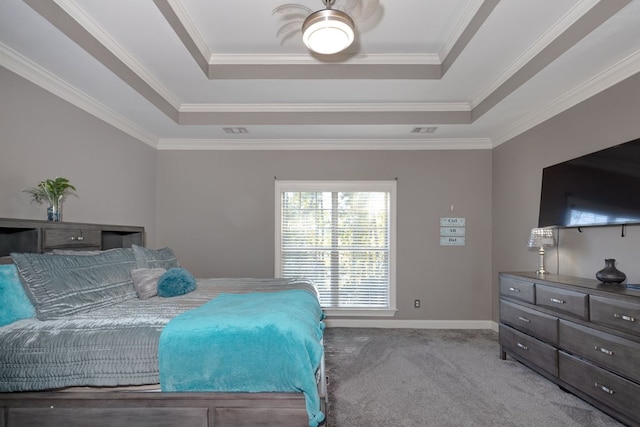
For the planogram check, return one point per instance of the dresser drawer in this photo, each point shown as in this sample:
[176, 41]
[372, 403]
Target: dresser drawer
[71, 238]
[530, 349]
[617, 354]
[563, 301]
[518, 289]
[540, 325]
[610, 389]
[616, 314]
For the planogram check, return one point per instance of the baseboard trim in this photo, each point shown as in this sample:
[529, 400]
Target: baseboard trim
[412, 324]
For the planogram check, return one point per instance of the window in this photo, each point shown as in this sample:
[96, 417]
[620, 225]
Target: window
[341, 235]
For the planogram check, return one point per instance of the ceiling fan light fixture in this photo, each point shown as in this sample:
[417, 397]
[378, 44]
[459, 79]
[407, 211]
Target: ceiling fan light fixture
[328, 31]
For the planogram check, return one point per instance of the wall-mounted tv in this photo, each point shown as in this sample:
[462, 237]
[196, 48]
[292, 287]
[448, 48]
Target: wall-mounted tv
[601, 188]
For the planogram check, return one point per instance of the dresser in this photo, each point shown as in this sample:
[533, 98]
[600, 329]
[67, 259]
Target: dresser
[19, 235]
[579, 333]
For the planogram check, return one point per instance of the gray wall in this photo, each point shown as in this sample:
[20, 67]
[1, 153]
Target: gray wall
[216, 210]
[43, 137]
[607, 119]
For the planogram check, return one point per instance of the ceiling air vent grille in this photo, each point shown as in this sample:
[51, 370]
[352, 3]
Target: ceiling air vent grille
[429, 129]
[235, 130]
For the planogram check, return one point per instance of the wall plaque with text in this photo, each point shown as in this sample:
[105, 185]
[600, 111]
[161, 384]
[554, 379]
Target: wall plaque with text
[452, 231]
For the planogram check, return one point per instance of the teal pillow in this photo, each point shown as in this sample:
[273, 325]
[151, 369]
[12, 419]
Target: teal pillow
[14, 303]
[176, 281]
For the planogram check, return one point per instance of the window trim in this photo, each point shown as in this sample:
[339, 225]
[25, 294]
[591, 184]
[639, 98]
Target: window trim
[344, 186]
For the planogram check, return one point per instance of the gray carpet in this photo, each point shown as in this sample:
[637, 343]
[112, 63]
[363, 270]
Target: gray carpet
[410, 377]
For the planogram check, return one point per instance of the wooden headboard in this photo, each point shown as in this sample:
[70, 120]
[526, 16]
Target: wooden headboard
[28, 235]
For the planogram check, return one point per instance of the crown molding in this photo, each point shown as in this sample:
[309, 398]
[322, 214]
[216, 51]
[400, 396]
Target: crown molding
[325, 108]
[296, 66]
[612, 75]
[291, 59]
[77, 14]
[465, 18]
[183, 16]
[32, 72]
[325, 144]
[181, 13]
[568, 19]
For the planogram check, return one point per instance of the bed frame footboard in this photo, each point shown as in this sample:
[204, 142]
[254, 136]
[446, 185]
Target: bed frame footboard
[152, 409]
[159, 409]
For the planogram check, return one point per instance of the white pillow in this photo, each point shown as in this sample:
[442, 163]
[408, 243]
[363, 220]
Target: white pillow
[145, 281]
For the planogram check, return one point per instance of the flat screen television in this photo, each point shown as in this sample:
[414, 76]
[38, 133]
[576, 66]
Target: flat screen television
[601, 188]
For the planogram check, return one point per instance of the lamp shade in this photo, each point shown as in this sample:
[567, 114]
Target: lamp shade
[328, 31]
[541, 238]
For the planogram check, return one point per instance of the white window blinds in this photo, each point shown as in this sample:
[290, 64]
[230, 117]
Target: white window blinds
[339, 235]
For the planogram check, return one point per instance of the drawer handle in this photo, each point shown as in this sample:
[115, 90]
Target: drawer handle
[557, 301]
[522, 346]
[604, 350]
[79, 238]
[604, 388]
[624, 317]
[524, 319]
[514, 289]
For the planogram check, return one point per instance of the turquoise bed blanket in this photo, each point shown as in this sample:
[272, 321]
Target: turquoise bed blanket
[257, 342]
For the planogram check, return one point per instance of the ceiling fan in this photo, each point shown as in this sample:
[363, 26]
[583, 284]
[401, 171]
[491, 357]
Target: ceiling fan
[332, 29]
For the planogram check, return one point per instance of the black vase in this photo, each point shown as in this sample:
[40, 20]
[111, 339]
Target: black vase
[610, 274]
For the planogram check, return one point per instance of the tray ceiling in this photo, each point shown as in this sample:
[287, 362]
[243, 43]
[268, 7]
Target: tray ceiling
[422, 74]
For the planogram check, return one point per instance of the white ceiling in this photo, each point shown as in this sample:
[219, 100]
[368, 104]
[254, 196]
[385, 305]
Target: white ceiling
[175, 73]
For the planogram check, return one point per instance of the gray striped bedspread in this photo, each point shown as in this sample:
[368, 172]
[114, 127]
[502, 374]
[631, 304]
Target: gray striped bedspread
[111, 346]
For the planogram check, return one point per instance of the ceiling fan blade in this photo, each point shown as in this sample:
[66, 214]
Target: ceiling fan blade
[289, 28]
[365, 13]
[292, 8]
[369, 8]
[373, 18]
[350, 5]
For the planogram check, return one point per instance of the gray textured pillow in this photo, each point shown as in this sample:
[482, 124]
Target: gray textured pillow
[150, 258]
[62, 285]
[145, 281]
[72, 252]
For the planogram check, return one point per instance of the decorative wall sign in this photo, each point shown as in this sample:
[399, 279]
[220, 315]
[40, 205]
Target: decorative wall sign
[452, 231]
[451, 241]
[445, 221]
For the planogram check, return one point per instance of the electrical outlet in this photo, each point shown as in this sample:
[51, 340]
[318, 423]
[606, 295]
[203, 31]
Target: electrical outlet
[416, 303]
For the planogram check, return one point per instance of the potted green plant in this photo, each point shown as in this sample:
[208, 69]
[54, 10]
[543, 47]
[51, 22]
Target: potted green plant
[51, 191]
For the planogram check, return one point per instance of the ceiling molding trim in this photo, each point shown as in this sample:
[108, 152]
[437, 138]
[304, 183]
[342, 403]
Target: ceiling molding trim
[300, 66]
[480, 14]
[458, 29]
[292, 59]
[181, 12]
[37, 75]
[332, 118]
[182, 25]
[555, 31]
[326, 71]
[58, 16]
[326, 108]
[325, 144]
[78, 15]
[591, 20]
[618, 72]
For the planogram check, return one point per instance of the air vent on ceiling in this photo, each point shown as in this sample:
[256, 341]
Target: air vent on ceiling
[430, 129]
[235, 130]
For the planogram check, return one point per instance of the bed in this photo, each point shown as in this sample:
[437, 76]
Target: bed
[94, 351]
